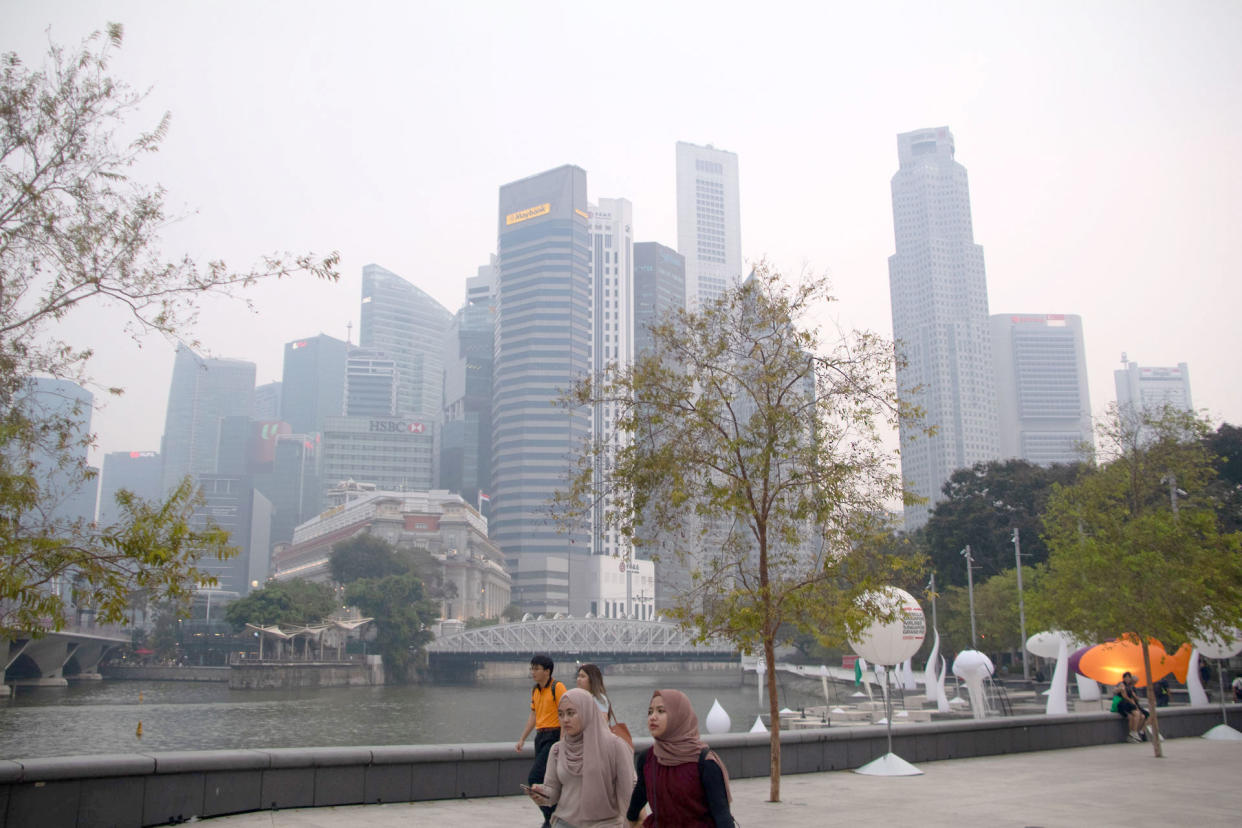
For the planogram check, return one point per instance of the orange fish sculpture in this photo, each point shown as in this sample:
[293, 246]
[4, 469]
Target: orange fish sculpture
[1106, 662]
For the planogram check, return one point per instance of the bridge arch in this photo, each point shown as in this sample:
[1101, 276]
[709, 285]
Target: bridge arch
[584, 639]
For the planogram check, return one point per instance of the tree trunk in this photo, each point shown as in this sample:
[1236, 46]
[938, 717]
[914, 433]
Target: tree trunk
[1152, 721]
[774, 711]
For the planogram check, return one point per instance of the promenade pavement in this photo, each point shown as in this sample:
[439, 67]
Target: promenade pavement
[1197, 783]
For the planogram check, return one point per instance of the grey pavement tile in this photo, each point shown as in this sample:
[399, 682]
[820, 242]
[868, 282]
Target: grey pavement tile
[1199, 782]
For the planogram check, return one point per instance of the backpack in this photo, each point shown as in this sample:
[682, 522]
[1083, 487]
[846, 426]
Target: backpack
[553, 683]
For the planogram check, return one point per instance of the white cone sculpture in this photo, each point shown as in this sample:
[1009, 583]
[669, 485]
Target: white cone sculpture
[758, 726]
[972, 667]
[1088, 688]
[718, 720]
[888, 644]
[1194, 686]
[907, 676]
[942, 698]
[930, 682]
[1220, 647]
[1054, 644]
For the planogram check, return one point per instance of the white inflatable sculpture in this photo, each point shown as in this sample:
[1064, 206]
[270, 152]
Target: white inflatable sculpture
[718, 720]
[1194, 685]
[1058, 645]
[1227, 646]
[972, 667]
[907, 675]
[888, 644]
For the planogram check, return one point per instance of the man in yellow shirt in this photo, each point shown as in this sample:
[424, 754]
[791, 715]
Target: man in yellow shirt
[543, 719]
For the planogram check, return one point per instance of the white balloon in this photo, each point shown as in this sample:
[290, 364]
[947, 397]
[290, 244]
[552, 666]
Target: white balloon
[892, 643]
[1047, 644]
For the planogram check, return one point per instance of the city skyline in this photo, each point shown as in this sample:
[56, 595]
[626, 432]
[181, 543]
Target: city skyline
[1099, 142]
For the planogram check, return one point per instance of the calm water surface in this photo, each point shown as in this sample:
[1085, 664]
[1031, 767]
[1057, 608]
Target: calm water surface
[102, 717]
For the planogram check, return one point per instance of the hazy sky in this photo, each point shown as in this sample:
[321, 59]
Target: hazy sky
[1102, 141]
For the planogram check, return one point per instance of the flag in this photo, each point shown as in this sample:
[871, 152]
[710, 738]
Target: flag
[483, 498]
[857, 672]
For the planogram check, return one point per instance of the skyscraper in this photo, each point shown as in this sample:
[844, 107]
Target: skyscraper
[612, 281]
[201, 393]
[136, 471]
[66, 493]
[466, 438]
[940, 318]
[1043, 404]
[313, 382]
[708, 221]
[370, 384]
[543, 344]
[659, 289]
[408, 326]
[1153, 388]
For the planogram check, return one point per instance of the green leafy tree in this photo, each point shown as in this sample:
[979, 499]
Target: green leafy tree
[1225, 445]
[78, 232]
[512, 613]
[403, 617]
[996, 612]
[1135, 550]
[364, 556]
[753, 456]
[982, 506]
[165, 636]
[295, 601]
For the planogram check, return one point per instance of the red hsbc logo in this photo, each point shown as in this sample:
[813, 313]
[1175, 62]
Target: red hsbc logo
[396, 426]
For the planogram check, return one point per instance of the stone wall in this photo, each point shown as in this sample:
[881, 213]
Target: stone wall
[163, 788]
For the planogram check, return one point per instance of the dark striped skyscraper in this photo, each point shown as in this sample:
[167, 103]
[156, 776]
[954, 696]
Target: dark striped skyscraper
[543, 344]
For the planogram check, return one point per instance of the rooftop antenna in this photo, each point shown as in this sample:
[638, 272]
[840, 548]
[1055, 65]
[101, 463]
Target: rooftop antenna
[1124, 360]
[349, 330]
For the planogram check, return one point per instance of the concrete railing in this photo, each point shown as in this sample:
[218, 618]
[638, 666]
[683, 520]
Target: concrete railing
[164, 788]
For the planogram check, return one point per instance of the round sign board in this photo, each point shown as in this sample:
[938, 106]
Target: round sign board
[1216, 648]
[899, 639]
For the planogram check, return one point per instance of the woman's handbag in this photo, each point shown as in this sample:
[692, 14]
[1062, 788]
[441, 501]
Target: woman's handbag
[619, 729]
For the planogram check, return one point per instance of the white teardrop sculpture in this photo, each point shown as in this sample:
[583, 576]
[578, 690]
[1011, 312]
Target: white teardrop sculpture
[1194, 687]
[718, 720]
[758, 726]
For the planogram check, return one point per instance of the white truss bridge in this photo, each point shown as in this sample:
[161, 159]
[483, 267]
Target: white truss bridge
[603, 639]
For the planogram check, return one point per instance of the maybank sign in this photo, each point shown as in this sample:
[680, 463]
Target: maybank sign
[528, 213]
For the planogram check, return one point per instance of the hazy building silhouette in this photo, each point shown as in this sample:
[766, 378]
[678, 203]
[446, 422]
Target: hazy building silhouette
[267, 401]
[201, 393]
[1043, 403]
[1152, 388]
[408, 326]
[709, 223]
[66, 493]
[370, 384]
[659, 289]
[136, 471]
[940, 318]
[543, 344]
[466, 437]
[312, 382]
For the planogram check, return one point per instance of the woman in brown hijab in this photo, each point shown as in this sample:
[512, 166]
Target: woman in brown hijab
[681, 777]
[590, 771]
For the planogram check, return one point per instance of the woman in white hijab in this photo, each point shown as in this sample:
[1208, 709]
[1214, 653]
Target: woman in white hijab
[590, 772]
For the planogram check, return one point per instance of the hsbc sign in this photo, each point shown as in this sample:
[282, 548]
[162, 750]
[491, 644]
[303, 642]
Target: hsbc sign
[396, 427]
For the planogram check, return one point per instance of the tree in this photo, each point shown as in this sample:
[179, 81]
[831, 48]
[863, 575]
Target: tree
[76, 232]
[295, 601]
[364, 556]
[996, 612]
[1135, 549]
[982, 506]
[755, 459]
[403, 618]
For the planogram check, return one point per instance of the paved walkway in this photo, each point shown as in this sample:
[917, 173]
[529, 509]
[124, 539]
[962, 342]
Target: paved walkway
[1197, 783]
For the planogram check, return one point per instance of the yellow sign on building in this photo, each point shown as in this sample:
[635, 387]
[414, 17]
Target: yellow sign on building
[528, 213]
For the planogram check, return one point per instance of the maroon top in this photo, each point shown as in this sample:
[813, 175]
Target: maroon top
[678, 797]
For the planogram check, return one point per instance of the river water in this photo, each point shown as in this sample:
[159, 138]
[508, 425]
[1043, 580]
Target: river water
[103, 716]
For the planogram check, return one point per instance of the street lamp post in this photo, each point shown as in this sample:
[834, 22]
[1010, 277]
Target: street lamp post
[970, 587]
[1017, 556]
